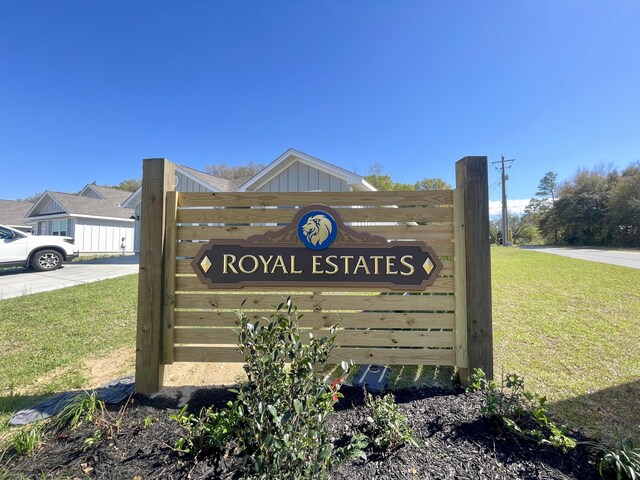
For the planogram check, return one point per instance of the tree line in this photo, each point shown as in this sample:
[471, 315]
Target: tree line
[596, 207]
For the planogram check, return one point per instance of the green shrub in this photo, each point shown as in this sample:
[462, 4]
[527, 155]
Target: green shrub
[388, 427]
[282, 411]
[522, 412]
[84, 407]
[27, 440]
[209, 431]
[623, 461]
[278, 419]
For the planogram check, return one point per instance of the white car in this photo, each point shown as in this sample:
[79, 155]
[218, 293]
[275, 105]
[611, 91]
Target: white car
[40, 252]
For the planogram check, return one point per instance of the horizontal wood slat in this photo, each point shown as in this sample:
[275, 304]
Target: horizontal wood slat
[183, 267]
[428, 233]
[206, 318]
[193, 284]
[317, 303]
[319, 320]
[384, 356]
[190, 249]
[245, 199]
[354, 338]
[285, 215]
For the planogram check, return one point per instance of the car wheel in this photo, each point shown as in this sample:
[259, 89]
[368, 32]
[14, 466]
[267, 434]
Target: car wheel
[46, 260]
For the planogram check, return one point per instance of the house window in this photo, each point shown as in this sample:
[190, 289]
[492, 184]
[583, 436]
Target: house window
[59, 227]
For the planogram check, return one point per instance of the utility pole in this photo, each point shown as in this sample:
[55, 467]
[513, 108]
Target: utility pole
[505, 212]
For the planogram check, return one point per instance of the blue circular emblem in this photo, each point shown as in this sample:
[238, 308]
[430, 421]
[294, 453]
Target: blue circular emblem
[317, 230]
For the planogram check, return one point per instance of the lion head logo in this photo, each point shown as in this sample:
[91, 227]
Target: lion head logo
[317, 230]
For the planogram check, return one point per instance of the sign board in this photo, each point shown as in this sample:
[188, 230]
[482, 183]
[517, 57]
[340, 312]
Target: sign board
[317, 250]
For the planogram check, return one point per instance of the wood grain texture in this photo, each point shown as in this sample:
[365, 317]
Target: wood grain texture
[168, 312]
[157, 178]
[404, 231]
[317, 303]
[324, 320]
[472, 179]
[193, 284]
[189, 249]
[285, 215]
[384, 356]
[247, 199]
[344, 338]
[462, 360]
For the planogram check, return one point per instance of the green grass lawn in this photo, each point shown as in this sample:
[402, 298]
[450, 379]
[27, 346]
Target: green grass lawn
[45, 337]
[572, 328]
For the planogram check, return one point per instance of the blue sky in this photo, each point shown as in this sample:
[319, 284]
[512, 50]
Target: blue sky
[89, 89]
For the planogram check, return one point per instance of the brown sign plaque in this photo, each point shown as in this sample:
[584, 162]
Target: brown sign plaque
[317, 250]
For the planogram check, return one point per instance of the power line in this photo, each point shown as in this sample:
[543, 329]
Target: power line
[566, 76]
[505, 212]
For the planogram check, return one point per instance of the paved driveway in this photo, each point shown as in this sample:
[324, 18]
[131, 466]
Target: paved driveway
[18, 282]
[624, 258]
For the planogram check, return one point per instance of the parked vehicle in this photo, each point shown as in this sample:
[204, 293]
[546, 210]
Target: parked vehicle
[40, 252]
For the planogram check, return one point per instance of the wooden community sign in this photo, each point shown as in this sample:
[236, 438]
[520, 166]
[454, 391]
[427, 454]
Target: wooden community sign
[317, 250]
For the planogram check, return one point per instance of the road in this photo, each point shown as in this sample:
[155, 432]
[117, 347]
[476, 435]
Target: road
[624, 258]
[21, 281]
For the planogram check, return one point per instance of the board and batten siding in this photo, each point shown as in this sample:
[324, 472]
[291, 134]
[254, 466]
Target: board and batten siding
[91, 194]
[299, 177]
[52, 207]
[186, 184]
[103, 236]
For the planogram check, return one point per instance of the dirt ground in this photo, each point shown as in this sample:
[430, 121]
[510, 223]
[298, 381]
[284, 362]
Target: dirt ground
[121, 363]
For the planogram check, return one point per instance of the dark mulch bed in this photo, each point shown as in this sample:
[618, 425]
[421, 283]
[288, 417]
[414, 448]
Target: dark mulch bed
[459, 443]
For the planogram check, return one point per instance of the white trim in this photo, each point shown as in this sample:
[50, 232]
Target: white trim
[367, 186]
[131, 197]
[45, 194]
[117, 219]
[289, 157]
[51, 198]
[54, 216]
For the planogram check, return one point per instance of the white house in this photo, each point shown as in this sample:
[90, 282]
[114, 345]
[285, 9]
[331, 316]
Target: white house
[293, 171]
[95, 218]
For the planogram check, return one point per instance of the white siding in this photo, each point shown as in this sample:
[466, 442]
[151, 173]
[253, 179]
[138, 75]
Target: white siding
[300, 177]
[103, 236]
[136, 239]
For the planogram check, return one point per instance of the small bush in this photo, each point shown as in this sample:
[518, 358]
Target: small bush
[27, 440]
[282, 411]
[278, 419]
[622, 461]
[209, 431]
[388, 427]
[84, 407]
[522, 412]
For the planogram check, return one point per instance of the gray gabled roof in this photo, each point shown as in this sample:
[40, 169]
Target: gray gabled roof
[221, 184]
[113, 195]
[357, 182]
[12, 212]
[211, 182]
[86, 206]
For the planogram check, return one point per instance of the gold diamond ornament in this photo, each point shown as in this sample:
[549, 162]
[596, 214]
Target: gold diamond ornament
[205, 264]
[428, 266]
